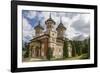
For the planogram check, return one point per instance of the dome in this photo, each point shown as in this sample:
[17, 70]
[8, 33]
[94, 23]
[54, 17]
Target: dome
[49, 20]
[61, 26]
[39, 26]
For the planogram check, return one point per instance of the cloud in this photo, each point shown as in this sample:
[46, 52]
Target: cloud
[28, 31]
[29, 14]
[82, 25]
[77, 24]
[79, 37]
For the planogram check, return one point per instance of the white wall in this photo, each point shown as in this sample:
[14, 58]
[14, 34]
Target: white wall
[5, 36]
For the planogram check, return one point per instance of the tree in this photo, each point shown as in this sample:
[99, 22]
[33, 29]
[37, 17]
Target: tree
[65, 50]
[86, 48]
[49, 53]
[78, 46]
[73, 48]
[26, 49]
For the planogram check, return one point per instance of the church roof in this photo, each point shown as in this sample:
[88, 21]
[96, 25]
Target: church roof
[39, 26]
[40, 37]
[50, 19]
[61, 26]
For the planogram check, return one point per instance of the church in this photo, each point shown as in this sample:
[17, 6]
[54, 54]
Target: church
[48, 38]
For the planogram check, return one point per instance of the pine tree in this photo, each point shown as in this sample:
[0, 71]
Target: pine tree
[49, 54]
[65, 50]
[73, 48]
[27, 50]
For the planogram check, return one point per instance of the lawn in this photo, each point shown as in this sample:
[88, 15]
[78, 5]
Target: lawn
[83, 56]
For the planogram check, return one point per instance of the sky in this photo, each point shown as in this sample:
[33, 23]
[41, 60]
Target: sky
[77, 24]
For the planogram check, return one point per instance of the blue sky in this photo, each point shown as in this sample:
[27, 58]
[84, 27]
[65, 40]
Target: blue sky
[77, 24]
[32, 20]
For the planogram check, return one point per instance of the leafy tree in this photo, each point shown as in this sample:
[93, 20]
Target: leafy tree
[26, 51]
[65, 50]
[78, 45]
[49, 53]
[86, 48]
[26, 54]
[73, 48]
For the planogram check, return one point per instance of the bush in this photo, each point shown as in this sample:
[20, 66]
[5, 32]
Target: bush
[65, 50]
[49, 54]
[26, 54]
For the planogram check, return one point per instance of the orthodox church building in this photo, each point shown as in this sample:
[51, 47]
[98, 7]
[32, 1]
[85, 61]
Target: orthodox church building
[48, 39]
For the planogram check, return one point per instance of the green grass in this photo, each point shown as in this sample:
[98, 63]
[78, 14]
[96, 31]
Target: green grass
[83, 56]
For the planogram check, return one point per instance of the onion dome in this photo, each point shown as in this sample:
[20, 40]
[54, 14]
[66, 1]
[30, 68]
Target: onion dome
[39, 26]
[61, 26]
[49, 20]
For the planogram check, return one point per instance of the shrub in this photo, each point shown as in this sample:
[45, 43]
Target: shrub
[26, 54]
[65, 50]
[49, 54]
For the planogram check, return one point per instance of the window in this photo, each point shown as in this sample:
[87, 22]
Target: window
[53, 34]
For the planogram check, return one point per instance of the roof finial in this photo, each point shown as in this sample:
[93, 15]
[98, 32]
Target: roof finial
[39, 22]
[60, 19]
[50, 15]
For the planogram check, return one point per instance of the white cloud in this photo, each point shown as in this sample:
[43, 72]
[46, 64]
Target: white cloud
[28, 31]
[68, 19]
[30, 14]
[81, 25]
[86, 17]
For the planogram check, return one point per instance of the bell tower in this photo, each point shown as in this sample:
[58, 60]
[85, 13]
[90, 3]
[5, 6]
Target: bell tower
[38, 29]
[60, 29]
[50, 23]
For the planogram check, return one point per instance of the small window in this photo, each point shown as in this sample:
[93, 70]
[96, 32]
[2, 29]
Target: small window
[53, 34]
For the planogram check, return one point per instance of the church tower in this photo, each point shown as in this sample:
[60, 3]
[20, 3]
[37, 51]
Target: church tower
[60, 30]
[38, 29]
[50, 23]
